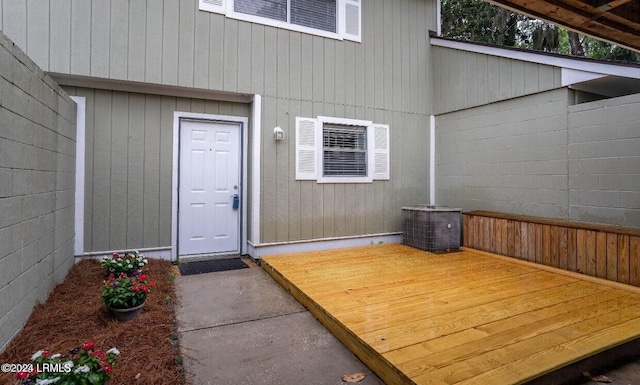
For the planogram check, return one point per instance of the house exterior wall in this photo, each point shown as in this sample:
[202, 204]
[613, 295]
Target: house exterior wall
[386, 79]
[128, 165]
[467, 79]
[509, 156]
[299, 210]
[604, 161]
[538, 155]
[174, 43]
[37, 181]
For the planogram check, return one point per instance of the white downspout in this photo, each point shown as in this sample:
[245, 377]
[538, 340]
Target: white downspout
[80, 161]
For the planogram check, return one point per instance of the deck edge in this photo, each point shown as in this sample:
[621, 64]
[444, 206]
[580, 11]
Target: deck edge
[375, 361]
[573, 372]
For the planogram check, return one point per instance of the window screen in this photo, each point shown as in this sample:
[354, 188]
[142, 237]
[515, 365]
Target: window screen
[272, 9]
[318, 14]
[344, 150]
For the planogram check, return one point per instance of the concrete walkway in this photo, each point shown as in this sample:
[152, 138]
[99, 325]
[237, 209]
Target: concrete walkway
[240, 327]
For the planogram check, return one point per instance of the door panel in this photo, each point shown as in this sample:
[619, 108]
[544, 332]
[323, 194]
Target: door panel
[209, 179]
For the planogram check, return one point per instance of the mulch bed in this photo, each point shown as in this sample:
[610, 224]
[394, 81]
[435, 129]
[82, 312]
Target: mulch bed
[74, 314]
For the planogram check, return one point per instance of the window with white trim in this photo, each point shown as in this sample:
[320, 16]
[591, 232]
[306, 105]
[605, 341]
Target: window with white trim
[339, 19]
[335, 150]
[344, 150]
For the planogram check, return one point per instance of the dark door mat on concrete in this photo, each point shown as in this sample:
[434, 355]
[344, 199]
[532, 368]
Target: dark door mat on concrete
[213, 265]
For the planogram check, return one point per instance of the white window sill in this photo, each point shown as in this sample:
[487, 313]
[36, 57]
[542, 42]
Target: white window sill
[345, 179]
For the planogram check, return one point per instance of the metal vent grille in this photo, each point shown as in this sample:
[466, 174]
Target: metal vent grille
[431, 228]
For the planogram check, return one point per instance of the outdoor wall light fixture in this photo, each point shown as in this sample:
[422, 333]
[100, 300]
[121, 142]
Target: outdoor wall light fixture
[278, 134]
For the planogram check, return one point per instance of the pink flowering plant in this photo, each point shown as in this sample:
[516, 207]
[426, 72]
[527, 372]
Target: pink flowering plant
[127, 263]
[85, 365]
[123, 291]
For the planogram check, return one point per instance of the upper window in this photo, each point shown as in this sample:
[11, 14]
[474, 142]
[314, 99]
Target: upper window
[339, 19]
[271, 9]
[318, 14]
[335, 150]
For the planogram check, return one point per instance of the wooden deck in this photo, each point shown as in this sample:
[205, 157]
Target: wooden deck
[469, 317]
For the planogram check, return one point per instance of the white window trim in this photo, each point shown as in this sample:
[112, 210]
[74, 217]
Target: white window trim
[432, 159]
[309, 150]
[256, 135]
[320, 150]
[226, 7]
[81, 103]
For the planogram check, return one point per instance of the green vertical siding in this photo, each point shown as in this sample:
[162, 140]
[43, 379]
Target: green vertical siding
[129, 166]
[298, 210]
[468, 79]
[174, 43]
[385, 79]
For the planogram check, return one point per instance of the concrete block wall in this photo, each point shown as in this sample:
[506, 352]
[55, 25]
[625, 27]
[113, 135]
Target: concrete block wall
[37, 184]
[509, 156]
[604, 161]
[538, 155]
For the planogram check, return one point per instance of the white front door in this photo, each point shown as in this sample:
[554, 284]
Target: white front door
[208, 220]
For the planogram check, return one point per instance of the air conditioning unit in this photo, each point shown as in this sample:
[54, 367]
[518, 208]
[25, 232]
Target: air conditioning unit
[431, 228]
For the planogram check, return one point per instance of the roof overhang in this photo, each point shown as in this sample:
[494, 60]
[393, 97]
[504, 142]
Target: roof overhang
[616, 21]
[147, 88]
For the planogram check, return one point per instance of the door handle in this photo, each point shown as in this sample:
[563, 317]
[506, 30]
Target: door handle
[236, 201]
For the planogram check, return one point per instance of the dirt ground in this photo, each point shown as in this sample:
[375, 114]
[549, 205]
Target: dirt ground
[74, 314]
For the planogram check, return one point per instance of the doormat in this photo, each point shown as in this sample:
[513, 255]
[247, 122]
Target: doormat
[201, 267]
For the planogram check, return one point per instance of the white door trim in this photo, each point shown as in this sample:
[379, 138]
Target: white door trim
[78, 246]
[256, 116]
[244, 123]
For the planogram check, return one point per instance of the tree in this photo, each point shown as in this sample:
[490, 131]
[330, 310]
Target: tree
[598, 49]
[574, 42]
[459, 23]
[545, 38]
[477, 20]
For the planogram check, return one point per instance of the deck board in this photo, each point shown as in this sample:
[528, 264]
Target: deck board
[469, 317]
